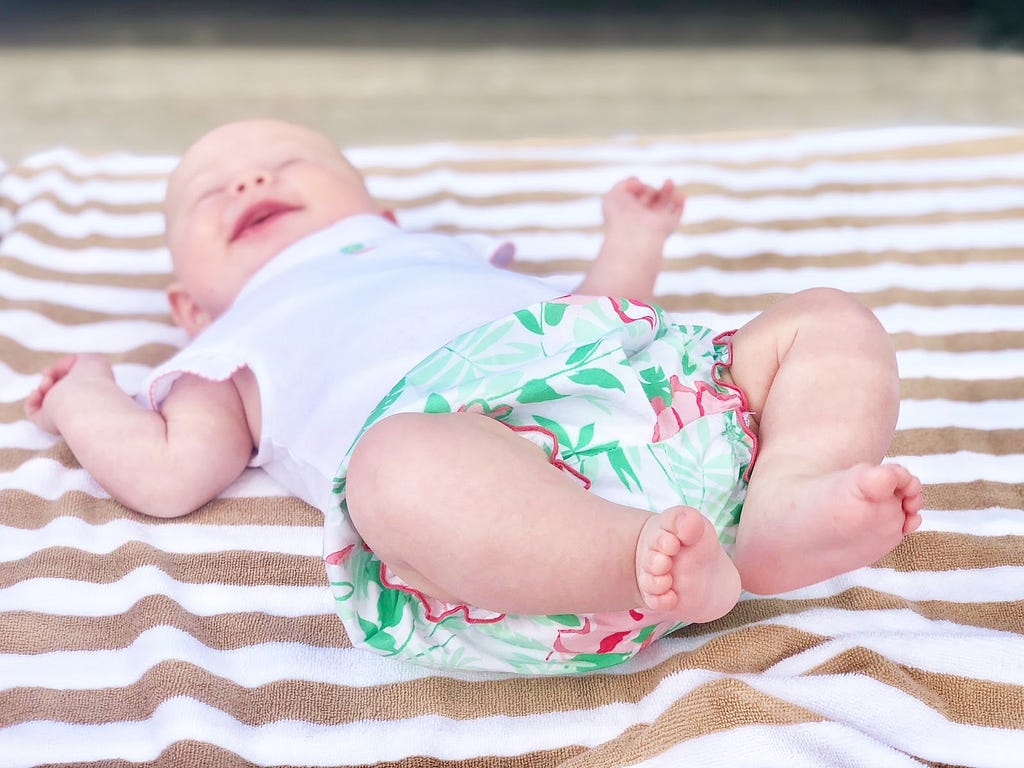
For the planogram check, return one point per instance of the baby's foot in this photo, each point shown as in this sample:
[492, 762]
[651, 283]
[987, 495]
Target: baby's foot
[827, 525]
[682, 569]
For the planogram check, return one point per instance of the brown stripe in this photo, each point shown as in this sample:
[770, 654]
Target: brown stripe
[977, 494]
[713, 707]
[756, 650]
[992, 341]
[928, 442]
[711, 302]
[961, 699]
[47, 236]
[1001, 616]
[30, 512]
[31, 172]
[29, 361]
[977, 391]
[936, 551]
[196, 753]
[233, 567]
[152, 280]
[971, 148]
[690, 188]
[1006, 145]
[772, 260]
[718, 226]
[67, 315]
[62, 205]
[39, 632]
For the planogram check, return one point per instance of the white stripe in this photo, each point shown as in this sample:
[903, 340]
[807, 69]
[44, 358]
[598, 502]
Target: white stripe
[893, 718]
[977, 275]
[249, 666]
[90, 260]
[114, 163]
[896, 718]
[26, 436]
[66, 597]
[586, 212]
[42, 334]
[91, 221]
[925, 321]
[992, 521]
[110, 299]
[972, 585]
[804, 745]
[738, 149]
[964, 467]
[966, 366]
[902, 635]
[747, 241]
[995, 659]
[14, 387]
[598, 180]
[50, 480]
[74, 192]
[171, 538]
[938, 413]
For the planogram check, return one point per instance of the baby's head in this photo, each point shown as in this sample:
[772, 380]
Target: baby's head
[239, 196]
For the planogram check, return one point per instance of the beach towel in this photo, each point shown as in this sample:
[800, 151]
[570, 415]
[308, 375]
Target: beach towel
[212, 639]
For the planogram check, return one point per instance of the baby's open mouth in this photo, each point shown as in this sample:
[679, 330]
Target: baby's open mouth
[256, 216]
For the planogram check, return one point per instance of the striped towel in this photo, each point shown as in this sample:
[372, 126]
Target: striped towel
[212, 640]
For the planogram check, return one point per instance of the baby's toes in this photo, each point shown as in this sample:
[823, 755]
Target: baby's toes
[652, 585]
[665, 601]
[667, 543]
[657, 563]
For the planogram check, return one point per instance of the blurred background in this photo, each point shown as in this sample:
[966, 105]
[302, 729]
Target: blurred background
[150, 77]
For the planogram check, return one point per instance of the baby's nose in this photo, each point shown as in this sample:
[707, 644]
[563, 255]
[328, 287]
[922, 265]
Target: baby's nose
[250, 180]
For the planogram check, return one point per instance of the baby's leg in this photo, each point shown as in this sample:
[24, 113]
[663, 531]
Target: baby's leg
[464, 509]
[819, 372]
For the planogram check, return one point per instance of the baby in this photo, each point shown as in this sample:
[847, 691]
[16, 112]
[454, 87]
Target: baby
[528, 481]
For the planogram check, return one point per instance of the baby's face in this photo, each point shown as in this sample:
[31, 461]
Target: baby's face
[246, 191]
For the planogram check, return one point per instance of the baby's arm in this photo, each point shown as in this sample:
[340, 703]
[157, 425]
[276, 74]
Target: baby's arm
[163, 464]
[637, 221]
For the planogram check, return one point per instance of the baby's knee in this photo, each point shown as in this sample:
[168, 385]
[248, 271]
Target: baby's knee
[381, 462]
[835, 308]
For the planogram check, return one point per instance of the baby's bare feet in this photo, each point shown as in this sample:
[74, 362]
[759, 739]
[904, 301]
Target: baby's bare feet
[827, 525]
[682, 569]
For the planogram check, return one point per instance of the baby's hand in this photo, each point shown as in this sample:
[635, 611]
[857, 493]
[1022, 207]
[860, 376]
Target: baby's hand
[642, 209]
[72, 366]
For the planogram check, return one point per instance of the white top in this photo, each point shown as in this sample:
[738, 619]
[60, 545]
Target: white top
[329, 325]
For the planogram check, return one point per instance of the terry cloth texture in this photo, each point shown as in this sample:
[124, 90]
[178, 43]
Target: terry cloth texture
[212, 639]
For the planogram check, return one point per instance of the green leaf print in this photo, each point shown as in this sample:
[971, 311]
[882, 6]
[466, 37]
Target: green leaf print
[530, 323]
[582, 354]
[553, 313]
[586, 435]
[436, 404]
[586, 662]
[566, 619]
[627, 475]
[390, 606]
[374, 637]
[557, 429]
[537, 391]
[655, 384]
[597, 377]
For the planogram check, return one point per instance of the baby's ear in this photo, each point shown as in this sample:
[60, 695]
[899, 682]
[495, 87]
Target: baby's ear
[185, 311]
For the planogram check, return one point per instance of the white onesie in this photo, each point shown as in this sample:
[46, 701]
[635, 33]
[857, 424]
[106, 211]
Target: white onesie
[332, 323]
